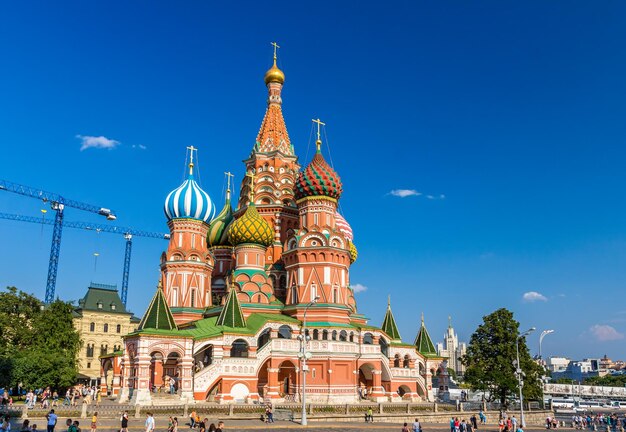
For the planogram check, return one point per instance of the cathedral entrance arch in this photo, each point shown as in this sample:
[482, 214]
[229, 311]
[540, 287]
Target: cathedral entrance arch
[366, 378]
[263, 379]
[287, 380]
[171, 370]
[239, 392]
[403, 390]
[156, 370]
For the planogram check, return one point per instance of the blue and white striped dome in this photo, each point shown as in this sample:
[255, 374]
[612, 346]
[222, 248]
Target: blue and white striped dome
[189, 201]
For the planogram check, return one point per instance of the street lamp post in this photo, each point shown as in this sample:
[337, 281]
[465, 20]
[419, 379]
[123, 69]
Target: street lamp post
[520, 373]
[543, 334]
[304, 355]
[543, 396]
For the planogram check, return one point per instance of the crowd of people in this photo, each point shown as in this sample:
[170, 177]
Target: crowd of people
[588, 421]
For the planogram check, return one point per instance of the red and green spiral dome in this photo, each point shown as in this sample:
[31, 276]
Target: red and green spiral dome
[318, 179]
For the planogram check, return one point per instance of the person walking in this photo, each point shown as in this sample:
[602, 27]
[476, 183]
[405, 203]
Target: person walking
[51, 418]
[192, 419]
[369, 416]
[405, 428]
[149, 422]
[417, 427]
[94, 422]
[220, 427]
[474, 422]
[175, 424]
[269, 416]
[124, 422]
[26, 426]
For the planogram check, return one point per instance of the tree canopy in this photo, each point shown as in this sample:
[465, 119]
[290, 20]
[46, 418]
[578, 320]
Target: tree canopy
[490, 357]
[38, 345]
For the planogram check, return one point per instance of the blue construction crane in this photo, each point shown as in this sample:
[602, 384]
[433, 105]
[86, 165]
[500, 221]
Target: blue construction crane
[128, 234]
[58, 204]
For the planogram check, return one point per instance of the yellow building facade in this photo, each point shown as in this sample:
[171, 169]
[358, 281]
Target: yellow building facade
[102, 320]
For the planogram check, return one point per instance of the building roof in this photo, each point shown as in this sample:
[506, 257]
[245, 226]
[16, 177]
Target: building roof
[158, 316]
[389, 325]
[101, 298]
[424, 343]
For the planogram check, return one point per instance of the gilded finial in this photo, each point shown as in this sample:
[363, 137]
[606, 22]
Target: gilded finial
[318, 143]
[229, 175]
[388, 301]
[449, 321]
[422, 318]
[160, 284]
[252, 177]
[191, 150]
[276, 46]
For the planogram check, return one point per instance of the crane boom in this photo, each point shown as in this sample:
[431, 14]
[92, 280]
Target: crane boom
[128, 234]
[54, 197]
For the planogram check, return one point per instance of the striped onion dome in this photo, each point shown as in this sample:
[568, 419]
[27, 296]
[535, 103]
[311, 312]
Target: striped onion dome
[218, 228]
[189, 201]
[343, 226]
[354, 253]
[318, 179]
[250, 228]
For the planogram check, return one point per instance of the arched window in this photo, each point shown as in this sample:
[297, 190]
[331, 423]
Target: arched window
[343, 336]
[334, 334]
[294, 295]
[92, 327]
[119, 328]
[406, 361]
[396, 360]
[351, 336]
[284, 332]
[368, 339]
[103, 349]
[325, 335]
[239, 348]
[263, 338]
[105, 328]
[193, 298]
[90, 350]
[316, 334]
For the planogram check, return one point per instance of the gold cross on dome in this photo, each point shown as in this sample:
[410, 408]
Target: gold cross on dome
[319, 124]
[229, 175]
[252, 177]
[191, 150]
[276, 46]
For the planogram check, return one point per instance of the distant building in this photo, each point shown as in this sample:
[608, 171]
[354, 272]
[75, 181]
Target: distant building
[101, 320]
[557, 364]
[452, 349]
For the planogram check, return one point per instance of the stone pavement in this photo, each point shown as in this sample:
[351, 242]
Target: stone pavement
[112, 425]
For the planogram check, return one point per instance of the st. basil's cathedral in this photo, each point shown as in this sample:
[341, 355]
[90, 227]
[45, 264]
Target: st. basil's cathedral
[238, 290]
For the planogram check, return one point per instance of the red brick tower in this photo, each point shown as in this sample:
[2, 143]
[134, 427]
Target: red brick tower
[317, 257]
[187, 265]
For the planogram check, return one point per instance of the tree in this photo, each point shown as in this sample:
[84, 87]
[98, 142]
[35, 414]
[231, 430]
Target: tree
[490, 357]
[38, 345]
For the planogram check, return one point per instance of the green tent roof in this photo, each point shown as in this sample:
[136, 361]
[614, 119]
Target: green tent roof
[158, 316]
[231, 314]
[389, 324]
[424, 343]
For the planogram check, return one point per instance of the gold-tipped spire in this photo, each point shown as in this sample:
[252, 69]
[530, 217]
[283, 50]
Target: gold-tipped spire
[252, 177]
[318, 143]
[274, 74]
[229, 175]
[422, 318]
[191, 150]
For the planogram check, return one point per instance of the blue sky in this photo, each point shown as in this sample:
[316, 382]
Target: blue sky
[509, 114]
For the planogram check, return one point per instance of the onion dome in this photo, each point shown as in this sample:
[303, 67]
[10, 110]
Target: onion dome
[354, 253]
[274, 74]
[189, 201]
[250, 228]
[318, 179]
[344, 227]
[217, 235]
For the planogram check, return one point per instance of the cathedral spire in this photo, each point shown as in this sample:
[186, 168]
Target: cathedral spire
[231, 314]
[423, 342]
[158, 316]
[389, 324]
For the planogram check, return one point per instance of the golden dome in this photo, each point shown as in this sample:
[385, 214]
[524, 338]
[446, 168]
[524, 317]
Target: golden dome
[274, 75]
[353, 253]
[250, 228]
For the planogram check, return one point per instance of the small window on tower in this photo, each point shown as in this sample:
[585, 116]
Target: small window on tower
[193, 298]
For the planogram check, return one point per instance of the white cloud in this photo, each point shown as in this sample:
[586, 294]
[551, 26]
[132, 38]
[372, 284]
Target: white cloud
[102, 142]
[140, 146]
[358, 288]
[605, 333]
[533, 296]
[403, 193]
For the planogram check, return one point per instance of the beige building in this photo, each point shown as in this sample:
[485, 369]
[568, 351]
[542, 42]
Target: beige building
[101, 319]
